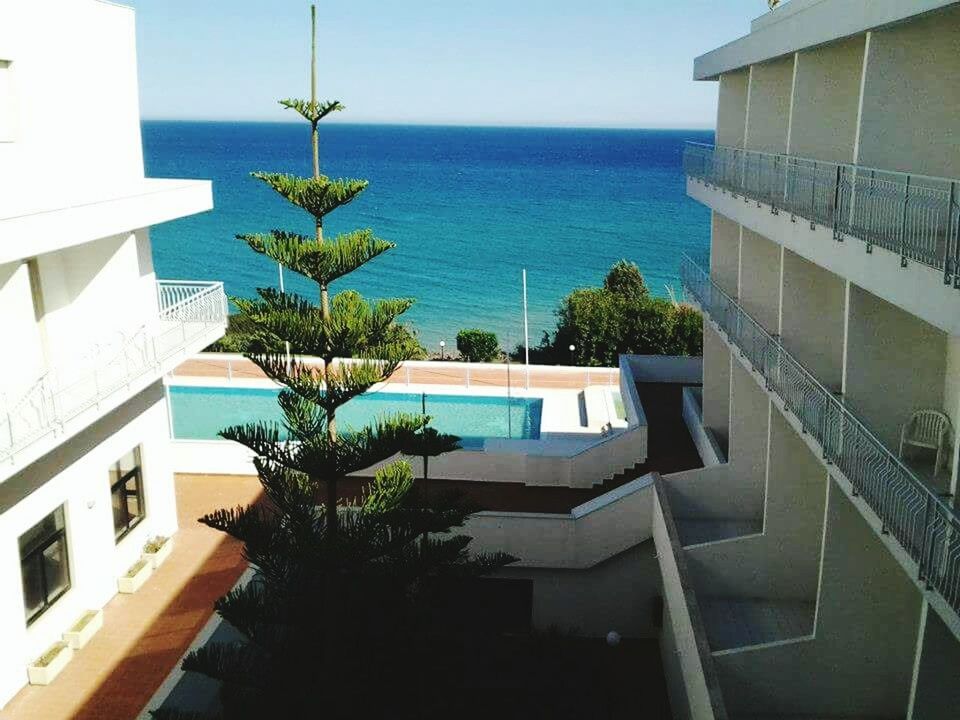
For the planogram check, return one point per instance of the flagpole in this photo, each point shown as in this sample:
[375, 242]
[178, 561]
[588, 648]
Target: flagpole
[526, 329]
[287, 342]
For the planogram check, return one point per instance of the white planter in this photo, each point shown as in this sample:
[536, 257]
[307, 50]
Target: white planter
[128, 584]
[156, 559]
[76, 639]
[46, 674]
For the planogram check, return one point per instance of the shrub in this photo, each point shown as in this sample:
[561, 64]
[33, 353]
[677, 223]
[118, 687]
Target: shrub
[154, 544]
[478, 345]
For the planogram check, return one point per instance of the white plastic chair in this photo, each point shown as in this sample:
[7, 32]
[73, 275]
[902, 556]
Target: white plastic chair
[928, 429]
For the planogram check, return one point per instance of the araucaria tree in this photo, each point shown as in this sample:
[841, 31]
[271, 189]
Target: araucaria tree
[342, 594]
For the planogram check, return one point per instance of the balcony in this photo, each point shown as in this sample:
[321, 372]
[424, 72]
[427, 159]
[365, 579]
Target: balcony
[67, 398]
[924, 526]
[915, 216]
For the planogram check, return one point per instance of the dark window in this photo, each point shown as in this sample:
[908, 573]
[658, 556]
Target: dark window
[126, 493]
[44, 564]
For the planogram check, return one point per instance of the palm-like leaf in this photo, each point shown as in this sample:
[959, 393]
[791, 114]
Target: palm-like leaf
[314, 112]
[322, 262]
[319, 196]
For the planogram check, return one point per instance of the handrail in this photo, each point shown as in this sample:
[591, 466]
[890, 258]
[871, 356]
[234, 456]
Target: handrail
[925, 526]
[916, 216]
[186, 311]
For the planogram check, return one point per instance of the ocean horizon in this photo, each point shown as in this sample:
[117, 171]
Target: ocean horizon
[468, 206]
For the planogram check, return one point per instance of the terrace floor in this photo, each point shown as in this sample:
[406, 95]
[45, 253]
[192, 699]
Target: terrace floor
[144, 634]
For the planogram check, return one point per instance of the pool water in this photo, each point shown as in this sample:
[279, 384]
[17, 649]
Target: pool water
[199, 413]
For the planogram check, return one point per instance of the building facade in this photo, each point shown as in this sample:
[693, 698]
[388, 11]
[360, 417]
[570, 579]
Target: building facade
[817, 570]
[88, 329]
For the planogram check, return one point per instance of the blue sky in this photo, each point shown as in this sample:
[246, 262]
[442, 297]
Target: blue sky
[599, 63]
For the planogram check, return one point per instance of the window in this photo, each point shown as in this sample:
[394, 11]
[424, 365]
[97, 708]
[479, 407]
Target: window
[44, 564]
[126, 491]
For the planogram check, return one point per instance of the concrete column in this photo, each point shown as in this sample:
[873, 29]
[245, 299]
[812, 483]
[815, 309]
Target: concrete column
[748, 429]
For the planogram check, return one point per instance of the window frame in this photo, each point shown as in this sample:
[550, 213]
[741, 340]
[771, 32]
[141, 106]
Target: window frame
[120, 486]
[37, 555]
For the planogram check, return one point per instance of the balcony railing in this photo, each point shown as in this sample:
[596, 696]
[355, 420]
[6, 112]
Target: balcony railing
[926, 527]
[915, 216]
[188, 311]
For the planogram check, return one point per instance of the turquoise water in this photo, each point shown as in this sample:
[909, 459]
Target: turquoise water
[199, 413]
[467, 207]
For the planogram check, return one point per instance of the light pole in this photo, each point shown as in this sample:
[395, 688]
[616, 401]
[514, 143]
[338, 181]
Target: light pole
[443, 345]
[572, 348]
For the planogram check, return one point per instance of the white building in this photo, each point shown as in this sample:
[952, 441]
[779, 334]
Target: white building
[823, 558]
[88, 329]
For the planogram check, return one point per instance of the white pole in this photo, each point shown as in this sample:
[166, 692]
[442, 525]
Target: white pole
[286, 343]
[526, 329]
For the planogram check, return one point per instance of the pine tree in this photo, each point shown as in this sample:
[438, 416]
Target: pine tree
[342, 593]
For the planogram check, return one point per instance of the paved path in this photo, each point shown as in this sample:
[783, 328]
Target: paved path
[144, 634]
[433, 374]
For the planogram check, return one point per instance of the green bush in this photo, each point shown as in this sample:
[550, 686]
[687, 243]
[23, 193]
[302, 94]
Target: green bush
[478, 345]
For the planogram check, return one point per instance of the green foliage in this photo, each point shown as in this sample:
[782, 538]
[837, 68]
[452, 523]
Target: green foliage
[620, 317]
[342, 593]
[478, 345]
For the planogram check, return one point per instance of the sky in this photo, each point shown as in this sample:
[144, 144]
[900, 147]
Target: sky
[578, 63]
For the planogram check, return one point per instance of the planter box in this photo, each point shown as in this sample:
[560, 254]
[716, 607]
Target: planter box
[156, 559]
[127, 584]
[76, 639]
[44, 675]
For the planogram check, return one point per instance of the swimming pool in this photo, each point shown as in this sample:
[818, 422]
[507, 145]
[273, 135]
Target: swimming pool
[199, 413]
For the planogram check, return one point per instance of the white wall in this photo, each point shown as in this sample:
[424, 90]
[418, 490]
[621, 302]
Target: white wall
[21, 330]
[725, 253]
[896, 363]
[716, 384]
[732, 108]
[813, 311]
[760, 279]
[73, 68]
[910, 104]
[78, 478]
[768, 116]
[826, 95]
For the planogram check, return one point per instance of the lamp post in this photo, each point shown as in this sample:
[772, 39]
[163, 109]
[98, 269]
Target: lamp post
[572, 348]
[443, 345]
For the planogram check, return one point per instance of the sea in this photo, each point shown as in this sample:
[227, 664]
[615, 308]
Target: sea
[469, 209]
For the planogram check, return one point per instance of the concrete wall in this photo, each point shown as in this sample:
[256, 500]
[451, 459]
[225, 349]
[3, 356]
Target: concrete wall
[76, 476]
[783, 562]
[826, 95]
[691, 679]
[768, 117]
[619, 594]
[896, 364]
[936, 695]
[861, 659]
[760, 279]
[732, 108]
[748, 434]
[725, 253]
[813, 312]
[716, 385]
[911, 110]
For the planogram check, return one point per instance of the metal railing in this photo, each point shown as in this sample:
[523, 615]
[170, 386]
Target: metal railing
[915, 216]
[919, 519]
[187, 312]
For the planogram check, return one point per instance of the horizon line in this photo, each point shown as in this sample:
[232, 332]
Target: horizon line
[504, 126]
